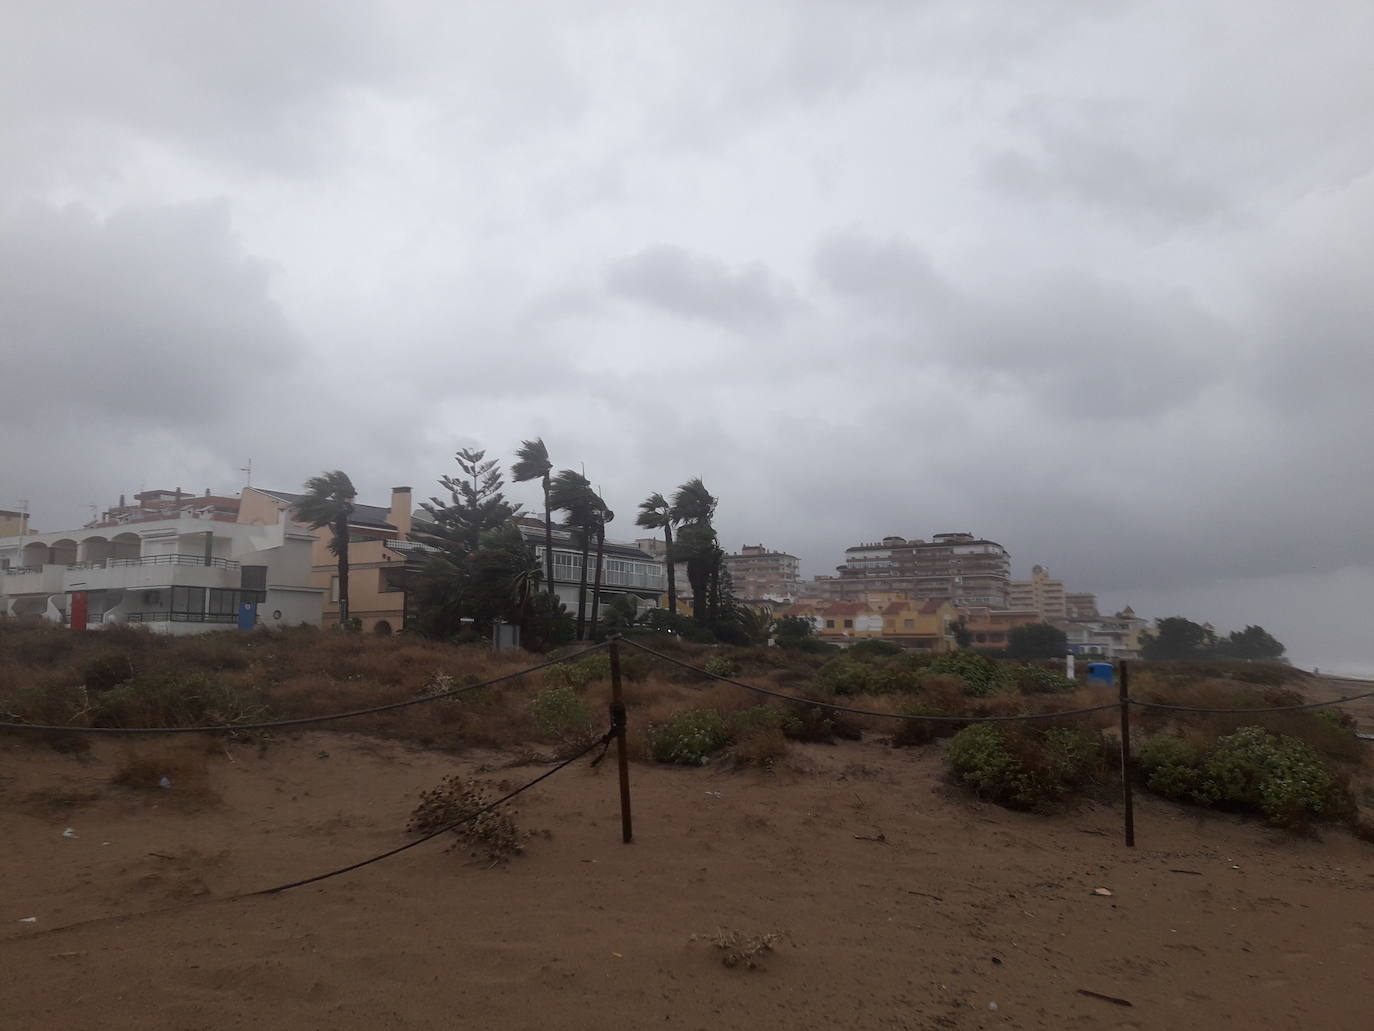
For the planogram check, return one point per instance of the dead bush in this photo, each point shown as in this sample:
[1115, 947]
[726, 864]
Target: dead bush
[740, 949]
[490, 836]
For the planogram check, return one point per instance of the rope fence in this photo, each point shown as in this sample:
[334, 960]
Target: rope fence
[617, 733]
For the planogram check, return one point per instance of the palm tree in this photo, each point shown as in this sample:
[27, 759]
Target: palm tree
[328, 501]
[603, 516]
[656, 514]
[532, 463]
[571, 492]
[693, 507]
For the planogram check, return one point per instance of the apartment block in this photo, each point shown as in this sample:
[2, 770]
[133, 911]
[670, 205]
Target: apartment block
[761, 575]
[955, 567]
[1039, 594]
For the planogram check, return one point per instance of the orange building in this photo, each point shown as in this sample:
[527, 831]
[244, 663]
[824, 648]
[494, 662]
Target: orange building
[378, 547]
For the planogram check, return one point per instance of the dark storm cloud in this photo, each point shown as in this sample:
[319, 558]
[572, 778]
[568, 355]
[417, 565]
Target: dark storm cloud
[700, 287]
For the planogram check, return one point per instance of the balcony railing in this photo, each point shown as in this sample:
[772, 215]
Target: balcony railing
[182, 617]
[174, 560]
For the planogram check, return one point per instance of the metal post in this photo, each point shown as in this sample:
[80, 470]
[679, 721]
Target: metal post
[1127, 795]
[622, 759]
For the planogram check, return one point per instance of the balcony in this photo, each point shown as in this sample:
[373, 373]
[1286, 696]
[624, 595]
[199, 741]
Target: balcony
[160, 560]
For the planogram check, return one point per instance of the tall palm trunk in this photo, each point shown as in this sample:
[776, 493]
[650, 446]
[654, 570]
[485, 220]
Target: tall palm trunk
[600, 553]
[548, 541]
[341, 542]
[672, 580]
[582, 587]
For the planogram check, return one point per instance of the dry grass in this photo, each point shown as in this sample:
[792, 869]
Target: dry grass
[178, 769]
[45, 673]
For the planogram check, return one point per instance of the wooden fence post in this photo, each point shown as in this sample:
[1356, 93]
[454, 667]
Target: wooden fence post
[1127, 794]
[618, 720]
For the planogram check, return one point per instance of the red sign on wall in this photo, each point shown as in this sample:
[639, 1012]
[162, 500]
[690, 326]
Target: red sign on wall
[80, 600]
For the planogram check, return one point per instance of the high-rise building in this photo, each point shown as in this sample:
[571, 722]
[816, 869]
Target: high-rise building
[763, 575]
[955, 567]
[1039, 594]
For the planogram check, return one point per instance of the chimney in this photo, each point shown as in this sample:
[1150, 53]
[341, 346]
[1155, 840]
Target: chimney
[399, 516]
[122, 502]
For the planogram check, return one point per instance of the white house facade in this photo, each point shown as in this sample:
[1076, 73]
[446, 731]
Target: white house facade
[179, 575]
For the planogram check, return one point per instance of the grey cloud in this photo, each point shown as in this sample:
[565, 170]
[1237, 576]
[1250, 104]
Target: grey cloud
[247, 81]
[149, 316]
[1092, 168]
[695, 286]
[1083, 346]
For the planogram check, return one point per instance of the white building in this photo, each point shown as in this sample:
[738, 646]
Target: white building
[178, 575]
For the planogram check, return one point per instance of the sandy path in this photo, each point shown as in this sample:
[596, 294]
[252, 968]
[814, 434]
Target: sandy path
[582, 932]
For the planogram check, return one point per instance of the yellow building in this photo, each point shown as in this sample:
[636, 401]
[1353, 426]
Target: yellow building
[378, 545]
[1039, 594]
[990, 628]
[919, 625]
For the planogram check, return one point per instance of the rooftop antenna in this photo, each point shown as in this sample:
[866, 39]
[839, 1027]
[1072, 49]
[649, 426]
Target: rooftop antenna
[248, 469]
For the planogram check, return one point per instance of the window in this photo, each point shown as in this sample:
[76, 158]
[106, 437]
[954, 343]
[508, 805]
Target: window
[333, 588]
[909, 624]
[188, 599]
[830, 624]
[849, 624]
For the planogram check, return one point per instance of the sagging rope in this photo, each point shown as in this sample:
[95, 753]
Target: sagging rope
[600, 742]
[300, 721]
[1252, 712]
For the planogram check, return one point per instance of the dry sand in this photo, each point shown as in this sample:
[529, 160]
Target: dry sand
[1214, 921]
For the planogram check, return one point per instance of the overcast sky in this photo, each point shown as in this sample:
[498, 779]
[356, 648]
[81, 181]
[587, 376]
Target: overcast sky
[1088, 279]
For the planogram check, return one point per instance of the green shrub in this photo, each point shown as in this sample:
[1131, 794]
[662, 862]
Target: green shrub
[843, 676]
[873, 648]
[1172, 767]
[689, 738]
[893, 680]
[1025, 767]
[1280, 776]
[560, 712]
[580, 673]
[981, 675]
[719, 666]
[1337, 719]
[167, 700]
[1031, 679]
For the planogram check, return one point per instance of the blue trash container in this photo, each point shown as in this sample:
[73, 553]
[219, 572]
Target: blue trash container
[1100, 672]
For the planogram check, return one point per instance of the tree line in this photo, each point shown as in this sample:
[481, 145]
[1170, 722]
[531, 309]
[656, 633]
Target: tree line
[480, 569]
[1177, 638]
